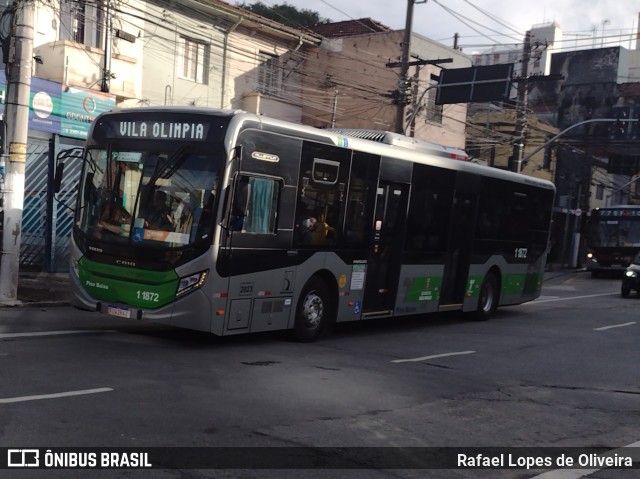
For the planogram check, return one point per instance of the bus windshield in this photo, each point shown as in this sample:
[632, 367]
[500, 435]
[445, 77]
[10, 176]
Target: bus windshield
[613, 233]
[161, 197]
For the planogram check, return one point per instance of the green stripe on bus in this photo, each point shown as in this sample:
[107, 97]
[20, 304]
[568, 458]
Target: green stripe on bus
[473, 285]
[518, 284]
[135, 287]
[424, 288]
[512, 284]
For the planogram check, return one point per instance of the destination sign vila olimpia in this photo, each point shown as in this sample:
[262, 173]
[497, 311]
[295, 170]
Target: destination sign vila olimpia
[172, 130]
[524, 458]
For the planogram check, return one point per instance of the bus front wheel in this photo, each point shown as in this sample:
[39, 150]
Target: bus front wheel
[488, 298]
[625, 291]
[314, 312]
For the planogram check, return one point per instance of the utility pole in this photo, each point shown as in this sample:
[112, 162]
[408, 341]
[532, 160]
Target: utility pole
[335, 108]
[521, 115]
[403, 86]
[106, 69]
[19, 70]
[417, 63]
[575, 237]
[414, 94]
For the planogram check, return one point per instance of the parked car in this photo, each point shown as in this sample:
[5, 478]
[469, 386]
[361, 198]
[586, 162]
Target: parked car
[631, 278]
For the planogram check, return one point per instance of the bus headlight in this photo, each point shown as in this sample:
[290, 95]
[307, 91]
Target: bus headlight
[191, 282]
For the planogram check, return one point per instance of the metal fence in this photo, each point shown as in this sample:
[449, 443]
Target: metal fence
[47, 218]
[34, 211]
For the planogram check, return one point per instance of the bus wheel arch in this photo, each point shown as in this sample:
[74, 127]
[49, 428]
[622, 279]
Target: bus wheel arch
[317, 307]
[489, 295]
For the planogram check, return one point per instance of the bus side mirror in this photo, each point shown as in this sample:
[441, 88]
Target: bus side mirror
[63, 155]
[239, 203]
[227, 207]
[57, 181]
[230, 191]
[236, 198]
[89, 191]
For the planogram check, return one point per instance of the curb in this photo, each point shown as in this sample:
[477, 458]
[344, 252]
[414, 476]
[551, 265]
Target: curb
[556, 274]
[35, 304]
[44, 304]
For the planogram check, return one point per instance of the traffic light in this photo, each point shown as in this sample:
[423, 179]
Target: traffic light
[620, 130]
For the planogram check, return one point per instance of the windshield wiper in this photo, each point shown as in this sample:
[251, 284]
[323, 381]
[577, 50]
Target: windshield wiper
[173, 162]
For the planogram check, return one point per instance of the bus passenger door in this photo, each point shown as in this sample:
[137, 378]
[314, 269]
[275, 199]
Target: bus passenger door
[383, 266]
[458, 256]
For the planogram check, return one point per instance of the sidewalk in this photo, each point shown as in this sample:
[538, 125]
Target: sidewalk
[43, 289]
[555, 270]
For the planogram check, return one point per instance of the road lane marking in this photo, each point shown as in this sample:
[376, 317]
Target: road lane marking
[54, 396]
[615, 326]
[435, 356]
[578, 473]
[538, 301]
[52, 333]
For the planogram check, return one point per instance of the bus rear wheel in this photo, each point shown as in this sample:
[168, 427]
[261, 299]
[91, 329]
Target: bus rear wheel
[314, 313]
[488, 298]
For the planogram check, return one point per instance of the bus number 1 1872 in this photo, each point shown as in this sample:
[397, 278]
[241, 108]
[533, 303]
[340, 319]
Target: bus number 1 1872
[521, 252]
[148, 296]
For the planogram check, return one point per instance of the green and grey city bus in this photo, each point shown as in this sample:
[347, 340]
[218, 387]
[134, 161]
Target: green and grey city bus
[232, 222]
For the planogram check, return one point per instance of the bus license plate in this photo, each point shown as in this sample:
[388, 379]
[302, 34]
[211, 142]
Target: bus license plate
[119, 311]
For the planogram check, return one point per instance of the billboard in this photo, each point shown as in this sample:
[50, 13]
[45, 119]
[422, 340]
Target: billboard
[61, 109]
[475, 84]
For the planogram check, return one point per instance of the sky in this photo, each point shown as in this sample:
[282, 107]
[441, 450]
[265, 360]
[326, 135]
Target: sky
[482, 24]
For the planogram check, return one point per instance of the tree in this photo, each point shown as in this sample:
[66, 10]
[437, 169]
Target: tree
[286, 14]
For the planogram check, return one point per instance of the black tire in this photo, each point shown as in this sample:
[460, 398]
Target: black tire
[595, 273]
[625, 291]
[488, 298]
[315, 311]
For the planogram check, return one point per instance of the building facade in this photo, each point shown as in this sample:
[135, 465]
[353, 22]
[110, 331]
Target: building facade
[352, 80]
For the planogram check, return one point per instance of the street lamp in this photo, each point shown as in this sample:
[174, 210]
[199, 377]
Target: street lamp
[617, 190]
[604, 22]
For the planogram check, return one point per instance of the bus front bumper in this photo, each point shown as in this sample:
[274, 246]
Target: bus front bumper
[184, 312]
[607, 262]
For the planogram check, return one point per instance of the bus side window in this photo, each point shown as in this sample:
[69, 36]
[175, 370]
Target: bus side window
[322, 194]
[429, 210]
[254, 207]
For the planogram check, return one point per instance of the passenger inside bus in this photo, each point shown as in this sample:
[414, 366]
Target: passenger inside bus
[182, 217]
[114, 218]
[159, 215]
[322, 233]
[305, 229]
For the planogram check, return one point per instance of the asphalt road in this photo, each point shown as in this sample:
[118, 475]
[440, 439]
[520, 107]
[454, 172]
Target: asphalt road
[557, 372]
